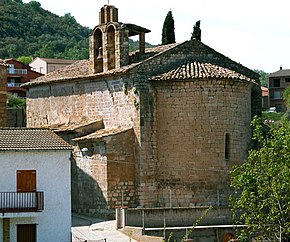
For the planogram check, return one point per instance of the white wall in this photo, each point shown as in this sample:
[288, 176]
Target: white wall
[39, 65]
[53, 178]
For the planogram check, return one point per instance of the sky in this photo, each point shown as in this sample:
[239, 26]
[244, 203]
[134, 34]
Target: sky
[255, 33]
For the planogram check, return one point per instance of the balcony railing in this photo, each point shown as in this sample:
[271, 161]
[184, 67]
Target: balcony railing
[13, 84]
[14, 202]
[17, 71]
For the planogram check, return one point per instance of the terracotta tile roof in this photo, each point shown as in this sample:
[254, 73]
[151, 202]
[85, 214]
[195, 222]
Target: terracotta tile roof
[194, 69]
[81, 69]
[265, 91]
[30, 139]
[3, 63]
[103, 133]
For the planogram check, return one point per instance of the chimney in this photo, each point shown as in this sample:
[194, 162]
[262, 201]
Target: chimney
[280, 68]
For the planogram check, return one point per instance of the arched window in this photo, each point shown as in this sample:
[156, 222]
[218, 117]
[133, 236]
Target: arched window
[98, 51]
[111, 47]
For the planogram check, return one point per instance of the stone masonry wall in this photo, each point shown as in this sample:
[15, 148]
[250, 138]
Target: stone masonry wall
[121, 157]
[192, 121]
[105, 177]
[76, 101]
[3, 97]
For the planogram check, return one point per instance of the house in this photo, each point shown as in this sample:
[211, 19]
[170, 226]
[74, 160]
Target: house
[278, 82]
[3, 93]
[47, 65]
[19, 73]
[265, 98]
[35, 200]
[160, 127]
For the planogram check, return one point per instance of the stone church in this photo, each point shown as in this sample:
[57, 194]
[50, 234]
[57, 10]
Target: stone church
[155, 127]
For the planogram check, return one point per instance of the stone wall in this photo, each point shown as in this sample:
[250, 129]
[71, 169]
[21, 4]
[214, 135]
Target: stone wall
[104, 177]
[183, 129]
[121, 158]
[3, 97]
[192, 121]
[76, 101]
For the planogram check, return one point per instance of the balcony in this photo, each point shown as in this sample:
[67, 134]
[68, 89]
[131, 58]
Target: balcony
[15, 202]
[17, 71]
[13, 84]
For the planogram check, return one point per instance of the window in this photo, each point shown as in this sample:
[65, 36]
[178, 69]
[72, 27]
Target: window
[227, 146]
[277, 95]
[26, 181]
[287, 79]
[276, 83]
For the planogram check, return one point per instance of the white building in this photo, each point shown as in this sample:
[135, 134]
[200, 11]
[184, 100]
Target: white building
[35, 186]
[47, 65]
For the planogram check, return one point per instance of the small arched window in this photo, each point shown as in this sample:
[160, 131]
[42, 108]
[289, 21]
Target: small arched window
[227, 146]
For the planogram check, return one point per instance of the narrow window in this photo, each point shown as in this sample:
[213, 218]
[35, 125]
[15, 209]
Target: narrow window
[227, 146]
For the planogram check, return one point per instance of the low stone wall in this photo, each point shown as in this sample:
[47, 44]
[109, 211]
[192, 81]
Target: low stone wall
[177, 217]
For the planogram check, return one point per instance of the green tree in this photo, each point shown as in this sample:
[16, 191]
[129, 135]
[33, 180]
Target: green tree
[15, 102]
[263, 77]
[286, 96]
[196, 34]
[168, 34]
[25, 59]
[262, 185]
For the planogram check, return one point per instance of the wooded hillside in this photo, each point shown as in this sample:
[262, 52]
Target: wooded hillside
[26, 29]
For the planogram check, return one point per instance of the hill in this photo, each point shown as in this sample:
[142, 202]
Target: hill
[26, 29]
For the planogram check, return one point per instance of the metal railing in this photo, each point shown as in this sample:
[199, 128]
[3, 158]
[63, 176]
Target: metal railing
[13, 84]
[17, 71]
[13, 202]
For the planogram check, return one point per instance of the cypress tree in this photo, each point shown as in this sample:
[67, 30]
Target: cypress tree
[196, 31]
[168, 34]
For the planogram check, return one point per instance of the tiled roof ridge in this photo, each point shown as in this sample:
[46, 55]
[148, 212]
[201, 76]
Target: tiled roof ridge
[199, 69]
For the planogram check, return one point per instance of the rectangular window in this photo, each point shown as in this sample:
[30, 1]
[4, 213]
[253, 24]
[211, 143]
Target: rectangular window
[287, 79]
[26, 181]
[276, 83]
[277, 95]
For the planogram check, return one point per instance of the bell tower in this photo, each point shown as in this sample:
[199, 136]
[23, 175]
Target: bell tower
[109, 41]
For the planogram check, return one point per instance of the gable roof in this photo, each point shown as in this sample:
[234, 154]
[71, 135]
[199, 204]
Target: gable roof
[195, 69]
[280, 73]
[16, 139]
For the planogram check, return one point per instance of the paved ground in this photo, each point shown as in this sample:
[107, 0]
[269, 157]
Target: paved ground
[96, 230]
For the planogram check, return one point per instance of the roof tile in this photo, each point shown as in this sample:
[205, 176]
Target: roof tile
[31, 139]
[194, 69]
